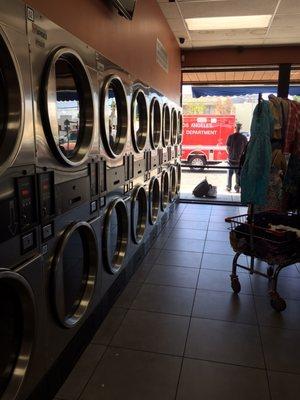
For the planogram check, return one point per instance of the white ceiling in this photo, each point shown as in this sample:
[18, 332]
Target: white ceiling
[284, 27]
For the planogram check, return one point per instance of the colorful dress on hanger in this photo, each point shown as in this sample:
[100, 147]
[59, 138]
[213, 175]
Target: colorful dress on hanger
[256, 169]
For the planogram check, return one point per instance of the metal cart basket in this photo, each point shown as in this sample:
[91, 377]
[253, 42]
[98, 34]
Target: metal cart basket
[278, 249]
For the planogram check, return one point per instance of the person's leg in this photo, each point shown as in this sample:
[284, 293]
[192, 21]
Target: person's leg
[237, 180]
[229, 178]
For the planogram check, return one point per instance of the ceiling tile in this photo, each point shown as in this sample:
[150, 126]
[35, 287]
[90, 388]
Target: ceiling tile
[176, 24]
[282, 40]
[227, 8]
[220, 43]
[287, 7]
[228, 34]
[284, 22]
[170, 10]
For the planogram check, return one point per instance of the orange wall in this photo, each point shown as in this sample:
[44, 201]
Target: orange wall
[130, 44]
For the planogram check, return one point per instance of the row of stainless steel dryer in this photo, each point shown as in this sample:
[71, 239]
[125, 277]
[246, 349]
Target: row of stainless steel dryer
[89, 173]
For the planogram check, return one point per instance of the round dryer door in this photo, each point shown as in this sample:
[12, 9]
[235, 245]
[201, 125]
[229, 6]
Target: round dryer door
[67, 107]
[173, 183]
[155, 123]
[115, 235]
[11, 105]
[75, 267]
[138, 213]
[139, 120]
[166, 125]
[17, 331]
[174, 127]
[178, 183]
[179, 131]
[164, 190]
[113, 116]
[153, 200]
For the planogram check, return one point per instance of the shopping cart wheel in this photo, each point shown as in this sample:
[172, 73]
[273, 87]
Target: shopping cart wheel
[235, 284]
[278, 303]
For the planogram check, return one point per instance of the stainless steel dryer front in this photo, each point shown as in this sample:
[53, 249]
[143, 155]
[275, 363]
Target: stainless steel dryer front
[64, 82]
[17, 151]
[22, 328]
[72, 277]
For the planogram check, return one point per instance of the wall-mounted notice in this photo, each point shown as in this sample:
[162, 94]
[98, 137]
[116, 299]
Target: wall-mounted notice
[162, 56]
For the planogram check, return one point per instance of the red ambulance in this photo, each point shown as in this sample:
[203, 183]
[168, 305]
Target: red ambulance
[204, 138]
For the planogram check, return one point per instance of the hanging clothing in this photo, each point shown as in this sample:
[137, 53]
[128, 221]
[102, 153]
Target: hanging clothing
[291, 184]
[256, 169]
[274, 192]
[292, 134]
[276, 110]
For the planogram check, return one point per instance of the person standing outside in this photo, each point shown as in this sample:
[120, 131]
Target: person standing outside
[236, 144]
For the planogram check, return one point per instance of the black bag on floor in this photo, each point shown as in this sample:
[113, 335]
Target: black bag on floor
[202, 189]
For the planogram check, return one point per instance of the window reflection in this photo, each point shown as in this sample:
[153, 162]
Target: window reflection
[111, 118]
[67, 108]
[75, 272]
[113, 238]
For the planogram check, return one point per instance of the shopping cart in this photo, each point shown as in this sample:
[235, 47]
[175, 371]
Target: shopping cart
[278, 249]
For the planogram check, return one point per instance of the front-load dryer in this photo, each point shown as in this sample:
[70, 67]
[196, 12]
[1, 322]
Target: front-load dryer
[166, 131]
[22, 329]
[72, 277]
[155, 131]
[64, 85]
[17, 152]
[139, 126]
[114, 119]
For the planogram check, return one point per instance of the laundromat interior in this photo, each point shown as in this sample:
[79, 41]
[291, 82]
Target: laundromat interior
[113, 284]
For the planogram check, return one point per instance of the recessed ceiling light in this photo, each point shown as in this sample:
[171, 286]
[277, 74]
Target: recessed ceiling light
[235, 22]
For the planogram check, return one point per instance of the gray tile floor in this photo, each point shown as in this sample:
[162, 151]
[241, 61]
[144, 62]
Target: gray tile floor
[178, 331]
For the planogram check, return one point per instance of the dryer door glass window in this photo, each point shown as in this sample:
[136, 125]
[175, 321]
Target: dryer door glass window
[75, 272]
[139, 214]
[153, 200]
[164, 190]
[179, 132]
[172, 183]
[174, 127]
[11, 117]
[155, 123]
[139, 121]
[114, 117]
[11, 333]
[166, 125]
[68, 108]
[75, 268]
[115, 236]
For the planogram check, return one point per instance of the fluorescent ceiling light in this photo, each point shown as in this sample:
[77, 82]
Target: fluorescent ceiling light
[236, 22]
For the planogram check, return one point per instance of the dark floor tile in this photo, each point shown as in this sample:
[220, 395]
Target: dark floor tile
[128, 295]
[173, 276]
[217, 247]
[219, 236]
[213, 381]
[220, 281]
[225, 306]
[288, 288]
[187, 259]
[109, 326]
[165, 299]
[293, 271]
[267, 316]
[141, 274]
[188, 234]
[151, 256]
[180, 244]
[281, 348]
[81, 373]
[195, 217]
[134, 375]
[158, 333]
[183, 224]
[160, 241]
[221, 262]
[226, 342]
[218, 226]
[284, 386]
